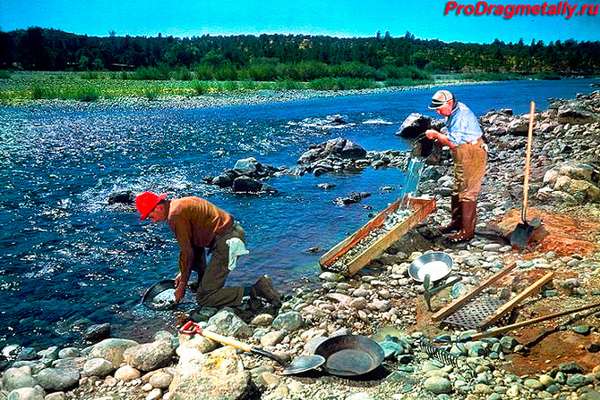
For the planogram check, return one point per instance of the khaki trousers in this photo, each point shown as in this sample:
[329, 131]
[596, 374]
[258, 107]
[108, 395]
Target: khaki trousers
[470, 161]
[212, 291]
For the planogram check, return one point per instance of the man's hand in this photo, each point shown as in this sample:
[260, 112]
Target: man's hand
[432, 134]
[177, 279]
[179, 291]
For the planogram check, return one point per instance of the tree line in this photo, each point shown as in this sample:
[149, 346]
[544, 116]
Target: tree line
[296, 57]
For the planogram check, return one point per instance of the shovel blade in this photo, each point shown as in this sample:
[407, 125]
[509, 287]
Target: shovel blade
[521, 235]
[303, 364]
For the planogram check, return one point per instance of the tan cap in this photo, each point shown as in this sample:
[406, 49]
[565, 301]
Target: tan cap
[440, 98]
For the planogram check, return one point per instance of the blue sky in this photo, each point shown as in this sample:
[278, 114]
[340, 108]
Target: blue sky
[348, 18]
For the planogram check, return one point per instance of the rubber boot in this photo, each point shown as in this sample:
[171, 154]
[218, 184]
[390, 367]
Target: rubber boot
[469, 216]
[264, 288]
[456, 221]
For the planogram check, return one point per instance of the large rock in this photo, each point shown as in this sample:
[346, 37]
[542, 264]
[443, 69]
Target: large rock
[16, 378]
[112, 350]
[218, 375]
[97, 332]
[35, 393]
[226, 323]
[55, 379]
[571, 115]
[122, 197]
[149, 356]
[414, 125]
[289, 321]
[244, 184]
[224, 180]
[518, 127]
[246, 166]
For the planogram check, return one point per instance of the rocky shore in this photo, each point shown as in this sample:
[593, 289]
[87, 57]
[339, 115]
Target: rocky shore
[383, 302]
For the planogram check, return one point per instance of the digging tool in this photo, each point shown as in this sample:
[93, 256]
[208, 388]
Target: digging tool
[297, 366]
[522, 233]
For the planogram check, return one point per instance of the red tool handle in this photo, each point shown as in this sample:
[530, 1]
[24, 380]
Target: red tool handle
[190, 328]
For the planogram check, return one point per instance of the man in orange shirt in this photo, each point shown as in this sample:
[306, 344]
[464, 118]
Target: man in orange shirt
[200, 226]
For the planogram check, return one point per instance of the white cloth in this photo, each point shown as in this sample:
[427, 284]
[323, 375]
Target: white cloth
[236, 249]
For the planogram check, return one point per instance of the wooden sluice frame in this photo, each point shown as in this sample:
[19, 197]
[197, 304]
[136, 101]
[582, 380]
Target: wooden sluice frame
[502, 310]
[421, 207]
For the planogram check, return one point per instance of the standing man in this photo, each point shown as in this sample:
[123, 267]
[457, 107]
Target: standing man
[462, 134]
[200, 226]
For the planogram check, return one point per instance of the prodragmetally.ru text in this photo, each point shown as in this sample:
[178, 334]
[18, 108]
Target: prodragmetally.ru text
[507, 11]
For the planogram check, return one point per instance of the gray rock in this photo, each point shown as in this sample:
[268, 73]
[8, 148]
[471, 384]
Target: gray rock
[160, 380]
[272, 338]
[570, 368]
[203, 314]
[27, 354]
[217, 375]
[227, 323]
[69, 352]
[438, 385]
[36, 393]
[149, 356]
[570, 115]
[577, 380]
[359, 303]
[112, 350]
[533, 384]
[16, 378]
[97, 332]
[508, 343]
[122, 197]
[57, 379]
[262, 320]
[331, 276]
[289, 321]
[73, 362]
[97, 367]
[244, 184]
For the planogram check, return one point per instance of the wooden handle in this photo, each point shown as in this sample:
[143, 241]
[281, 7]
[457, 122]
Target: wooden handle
[527, 162]
[228, 341]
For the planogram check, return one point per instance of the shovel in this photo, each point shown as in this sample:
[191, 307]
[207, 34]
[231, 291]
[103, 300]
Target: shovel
[523, 231]
[297, 366]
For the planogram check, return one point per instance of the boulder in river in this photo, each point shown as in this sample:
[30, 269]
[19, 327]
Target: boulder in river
[122, 197]
[97, 332]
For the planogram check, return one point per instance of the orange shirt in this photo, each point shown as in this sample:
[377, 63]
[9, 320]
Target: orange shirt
[195, 222]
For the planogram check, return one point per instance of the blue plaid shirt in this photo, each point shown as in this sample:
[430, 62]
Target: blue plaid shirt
[462, 126]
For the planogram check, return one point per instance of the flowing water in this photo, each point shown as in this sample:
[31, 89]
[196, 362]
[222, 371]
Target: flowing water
[66, 255]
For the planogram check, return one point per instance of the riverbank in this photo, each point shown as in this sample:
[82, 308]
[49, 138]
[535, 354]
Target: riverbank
[22, 88]
[564, 189]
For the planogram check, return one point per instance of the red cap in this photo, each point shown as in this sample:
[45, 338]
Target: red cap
[145, 202]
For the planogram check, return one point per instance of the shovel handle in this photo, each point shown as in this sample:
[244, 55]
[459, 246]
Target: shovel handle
[228, 341]
[191, 328]
[527, 162]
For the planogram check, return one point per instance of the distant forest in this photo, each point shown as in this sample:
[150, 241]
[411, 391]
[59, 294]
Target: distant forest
[266, 57]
